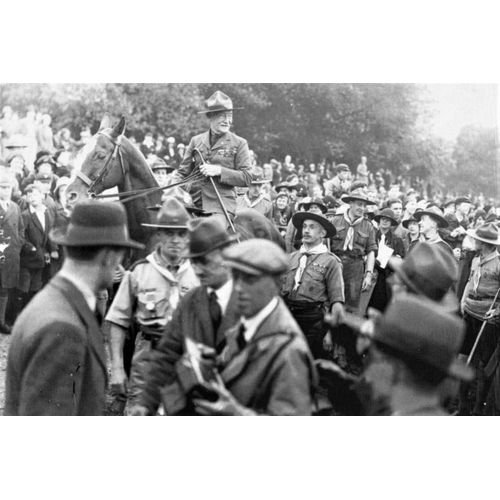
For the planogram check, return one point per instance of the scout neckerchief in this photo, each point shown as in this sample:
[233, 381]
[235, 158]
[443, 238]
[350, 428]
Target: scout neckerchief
[349, 239]
[318, 249]
[250, 203]
[476, 268]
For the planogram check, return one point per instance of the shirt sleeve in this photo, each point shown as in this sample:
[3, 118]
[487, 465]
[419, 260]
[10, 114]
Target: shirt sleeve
[335, 282]
[121, 310]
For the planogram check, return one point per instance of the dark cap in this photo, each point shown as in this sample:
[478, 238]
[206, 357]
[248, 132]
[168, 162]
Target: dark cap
[207, 235]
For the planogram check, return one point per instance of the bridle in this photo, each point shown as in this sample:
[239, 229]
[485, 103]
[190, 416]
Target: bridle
[92, 183]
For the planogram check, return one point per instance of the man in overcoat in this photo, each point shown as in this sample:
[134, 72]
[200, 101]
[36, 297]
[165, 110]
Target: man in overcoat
[56, 363]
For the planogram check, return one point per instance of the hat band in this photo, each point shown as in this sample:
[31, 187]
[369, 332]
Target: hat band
[88, 236]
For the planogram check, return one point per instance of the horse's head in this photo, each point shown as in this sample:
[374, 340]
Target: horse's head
[103, 165]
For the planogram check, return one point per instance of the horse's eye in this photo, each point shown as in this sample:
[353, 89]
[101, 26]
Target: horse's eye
[101, 156]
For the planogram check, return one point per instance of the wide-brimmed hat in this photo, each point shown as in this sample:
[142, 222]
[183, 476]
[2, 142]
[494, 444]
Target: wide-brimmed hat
[448, 203]
[417, 329]
[388, 214]
[435, 213]
[429, 270]
[217, 102]
[257, 257]
[95, 223]
[358, 194]
[307, 202]
[258, 176]
[282, 185]
[406, 222]
[463, 199]
[207, 235]
[44, 157]
[299, 218]
[487, 233]
[159, 164]
[191, 209]
[172, 215]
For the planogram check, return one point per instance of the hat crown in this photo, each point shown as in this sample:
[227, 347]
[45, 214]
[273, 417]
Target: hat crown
[207, 234]
[488, 231]
[430, 269]
[420, 329]
[218, 101]
[172, 213]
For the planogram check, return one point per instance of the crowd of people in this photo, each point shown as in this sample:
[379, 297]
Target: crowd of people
[376, 296]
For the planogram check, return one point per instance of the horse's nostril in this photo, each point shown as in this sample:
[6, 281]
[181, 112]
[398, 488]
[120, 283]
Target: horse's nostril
[72, 196]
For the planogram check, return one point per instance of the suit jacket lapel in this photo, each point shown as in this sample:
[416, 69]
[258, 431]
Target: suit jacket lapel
[81, 307]
[228, 320]
[203, 316]
[36, 221]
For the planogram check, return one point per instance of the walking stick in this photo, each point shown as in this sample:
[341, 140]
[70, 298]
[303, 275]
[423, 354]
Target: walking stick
[474, 347]
[203, 162]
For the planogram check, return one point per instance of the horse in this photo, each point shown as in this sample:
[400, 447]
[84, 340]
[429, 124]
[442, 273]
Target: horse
[111, 160]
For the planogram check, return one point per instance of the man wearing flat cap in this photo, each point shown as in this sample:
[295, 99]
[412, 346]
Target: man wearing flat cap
[147, 297]
[313, 284]
[203, 315]
[217, 154]
[57, 363]
[266, 367]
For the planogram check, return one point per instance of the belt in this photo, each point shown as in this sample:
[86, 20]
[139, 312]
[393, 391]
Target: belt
[348, 255]
[480, 297]
[304, 306]
[150, 333]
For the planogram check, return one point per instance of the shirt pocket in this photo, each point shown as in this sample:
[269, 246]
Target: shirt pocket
[361, 238]
[150, 305]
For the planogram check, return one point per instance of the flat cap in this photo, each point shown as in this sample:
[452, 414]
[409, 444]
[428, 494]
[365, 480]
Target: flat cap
[257, 256]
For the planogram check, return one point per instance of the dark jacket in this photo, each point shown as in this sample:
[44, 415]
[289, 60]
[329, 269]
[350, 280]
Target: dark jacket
[56, 363]
[37, 242]
[231, 152]
[11, 223]
[190, 319]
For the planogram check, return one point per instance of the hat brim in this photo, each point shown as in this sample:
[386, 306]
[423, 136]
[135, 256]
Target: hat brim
[406, 222]
[218, 110]
[191, 210]
[322, 207]
[348, 199]
[472, 233]
[394, 222]
[442, 222]
[299, 218]
[255, 183]
[230, 239]
[164, 226]
[60, 237]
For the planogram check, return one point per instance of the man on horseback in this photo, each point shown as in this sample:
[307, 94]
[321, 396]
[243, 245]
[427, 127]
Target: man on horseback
[219, 155]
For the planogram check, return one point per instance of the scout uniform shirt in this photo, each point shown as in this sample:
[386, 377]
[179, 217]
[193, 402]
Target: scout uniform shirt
[231, 153]
[482, 286]
[150, 292]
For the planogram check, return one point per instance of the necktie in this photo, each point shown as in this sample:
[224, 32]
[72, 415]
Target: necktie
[215, 310]
[240, 339]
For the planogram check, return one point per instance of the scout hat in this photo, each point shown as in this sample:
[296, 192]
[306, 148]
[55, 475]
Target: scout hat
[257, 257]
[258, 176]
[429, 270]
[95, 223]
[207, 235]
[217, 102]
[191, 209]
[358, 194]
[299, 218]
[159, 163]
[415, 328]
[172, 215]
[487, 233]
[433, 212]
[388, 214]
[462, 199]
[313, 201]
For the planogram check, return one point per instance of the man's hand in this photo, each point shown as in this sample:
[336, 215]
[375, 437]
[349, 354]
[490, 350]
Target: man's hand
[54, 254]
[336, 315]
[226, 404]
[367, 281]
[328, 342]
[118, 381]
[209, 170]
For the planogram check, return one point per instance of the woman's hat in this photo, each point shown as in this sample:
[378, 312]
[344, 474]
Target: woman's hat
[433, 212]
[299, 218]
[258, 176]
[95, 223]
[487, 233]
[172, 215]
[313, 201]
[388, 214]
[217, 102]
[207, 235]
[359, 194]
[406, 222]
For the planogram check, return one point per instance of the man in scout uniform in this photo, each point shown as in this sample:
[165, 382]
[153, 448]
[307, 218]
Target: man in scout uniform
[355, 244]
[148, 295]
[255, 196]
[266, 367]
[430, 221]
[226, 155]
[203, 316]
[481, 304]
[313, 284]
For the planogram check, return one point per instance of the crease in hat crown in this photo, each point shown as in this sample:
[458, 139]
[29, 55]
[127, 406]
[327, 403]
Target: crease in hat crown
[171, 215]
[217, 102]
[257, 256]
[208, 234]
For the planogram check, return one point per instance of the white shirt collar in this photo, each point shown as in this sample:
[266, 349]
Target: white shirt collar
[41, 209]
[223, 294]
[252, 324]
[87, 292]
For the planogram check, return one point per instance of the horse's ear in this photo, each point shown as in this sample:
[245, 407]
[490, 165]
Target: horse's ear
[105, 122]
[119, 128]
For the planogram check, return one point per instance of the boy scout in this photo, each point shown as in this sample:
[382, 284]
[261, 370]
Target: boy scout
[148, 295]
[226, 155]
[313, 284]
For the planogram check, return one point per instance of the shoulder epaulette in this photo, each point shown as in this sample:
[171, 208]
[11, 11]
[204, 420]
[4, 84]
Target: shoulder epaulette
[136, 263]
